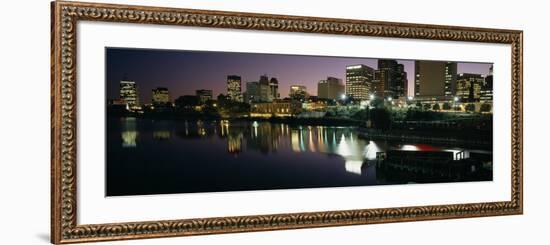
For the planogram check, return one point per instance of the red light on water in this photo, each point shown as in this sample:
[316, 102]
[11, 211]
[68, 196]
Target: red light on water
[425, 147]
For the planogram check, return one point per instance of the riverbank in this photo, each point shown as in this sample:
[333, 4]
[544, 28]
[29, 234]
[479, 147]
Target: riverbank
[441, 136]
[425, 137]
[310, 121]
[325, 121]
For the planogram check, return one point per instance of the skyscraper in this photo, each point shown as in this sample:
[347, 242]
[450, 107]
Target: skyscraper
[390, 80]
[264, 79]
[204, 95]
[331, 88]
[450, 79]
[234, 92]
[385, 77]
[380, 85]
[429, 79]
[298, 92]
[252, 92]
[401, 81]
[274, 88]
[265, 90]
[358, 81]
[486, 93]
[129, 94]
[161, 97]
[468, 86]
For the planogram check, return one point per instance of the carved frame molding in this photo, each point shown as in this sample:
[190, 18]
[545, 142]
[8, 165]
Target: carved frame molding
[65, 16]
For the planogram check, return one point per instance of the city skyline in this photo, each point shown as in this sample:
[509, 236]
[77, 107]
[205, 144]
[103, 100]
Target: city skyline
[316, 121]
[184, 72]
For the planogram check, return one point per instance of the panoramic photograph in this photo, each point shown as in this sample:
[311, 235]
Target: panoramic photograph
[183, 121]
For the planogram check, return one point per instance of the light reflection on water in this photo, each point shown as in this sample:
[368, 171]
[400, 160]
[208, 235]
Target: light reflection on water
[129, 133]
[267, 138]
[146, 156]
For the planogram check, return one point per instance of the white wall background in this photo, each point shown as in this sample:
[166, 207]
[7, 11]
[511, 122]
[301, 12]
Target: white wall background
[25, 120]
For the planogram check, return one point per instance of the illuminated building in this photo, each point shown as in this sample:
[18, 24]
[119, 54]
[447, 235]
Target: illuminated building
[390, 80]
[486, 93]
[298, 92]
[468, 86]
[331, 88]
[358, 81]
[314, 105]
[117, 106]
[278, 108]
[402, 83]
[274, 88]
[265, 90]
[161, 97]
[380, 86]
[450, 79]
[129, 94]
[204, 95]
[234, 88]
[252, 92]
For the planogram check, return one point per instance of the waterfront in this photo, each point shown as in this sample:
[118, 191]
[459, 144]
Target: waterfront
[147, 156]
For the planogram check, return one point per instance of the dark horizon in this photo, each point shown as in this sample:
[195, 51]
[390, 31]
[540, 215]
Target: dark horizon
[183, 72]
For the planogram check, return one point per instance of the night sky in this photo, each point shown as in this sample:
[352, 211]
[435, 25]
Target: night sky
[183, 72]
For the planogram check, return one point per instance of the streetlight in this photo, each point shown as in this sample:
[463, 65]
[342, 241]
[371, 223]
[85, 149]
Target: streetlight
[455, 100]
[371, 96]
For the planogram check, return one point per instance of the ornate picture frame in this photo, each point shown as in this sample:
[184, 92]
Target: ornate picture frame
[66, 15]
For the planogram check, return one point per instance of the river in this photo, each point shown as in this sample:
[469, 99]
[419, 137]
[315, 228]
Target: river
[146, 156]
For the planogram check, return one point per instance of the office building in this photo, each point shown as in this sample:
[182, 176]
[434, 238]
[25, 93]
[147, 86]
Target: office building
[450, 79]
[486, 93]
[252, 93]
[390, 79]
[429, 78]
[278, 108]
[204, 95]
[161, 97]
[298, 92]
[129, 94]
[358, 81]
[265, 90]
[468, 87]
[274, 89]
[234, 91]
[401, 82]
[330, 88]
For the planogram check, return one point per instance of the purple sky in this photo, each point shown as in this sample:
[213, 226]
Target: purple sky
[183, 72]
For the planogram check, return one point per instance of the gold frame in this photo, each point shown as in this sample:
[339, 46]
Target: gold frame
[65, 15]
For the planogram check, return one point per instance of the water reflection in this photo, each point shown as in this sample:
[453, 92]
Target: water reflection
[268, 138]
[176, 156]
[371, 149]
[161, 134]
[129, 132]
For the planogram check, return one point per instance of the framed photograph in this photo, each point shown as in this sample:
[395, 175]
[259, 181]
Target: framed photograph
[175, 122]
